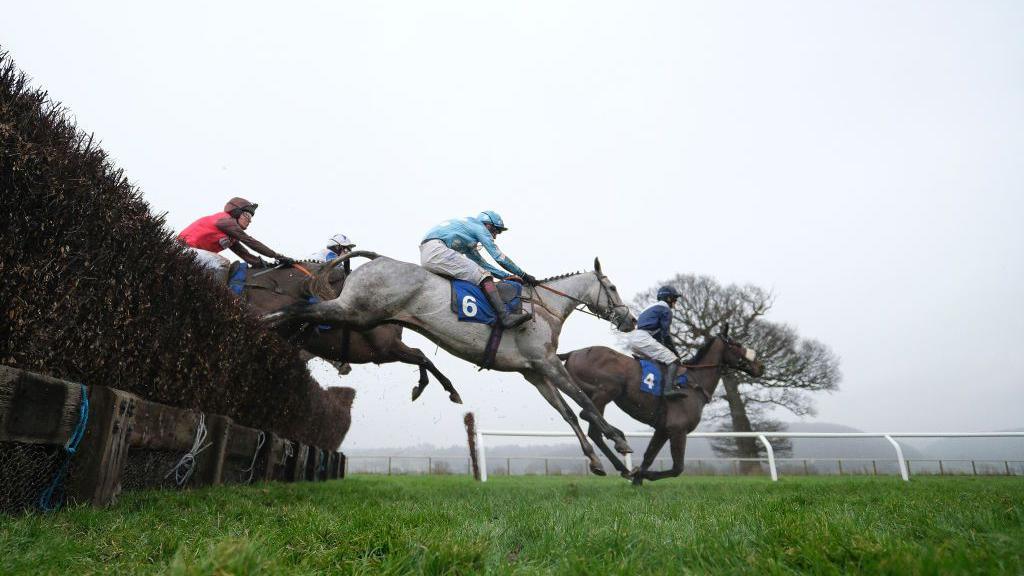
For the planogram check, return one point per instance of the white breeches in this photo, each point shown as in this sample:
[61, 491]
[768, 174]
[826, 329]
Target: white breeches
[643, 344]
[215, 263]
[441, 259]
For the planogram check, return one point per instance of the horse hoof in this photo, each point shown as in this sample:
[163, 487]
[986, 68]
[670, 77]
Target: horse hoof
[454, 397]
[626, 474]
[638, 480]
[622, 447]
[416, 393]
[598, 470]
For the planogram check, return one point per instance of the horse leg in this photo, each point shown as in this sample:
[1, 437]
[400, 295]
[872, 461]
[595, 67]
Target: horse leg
[550, 393]
[409, 355]
[595, 435]
[561, 378]
[657, 441]
[678, 446]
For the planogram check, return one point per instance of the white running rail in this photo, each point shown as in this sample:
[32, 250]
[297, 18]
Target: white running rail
[762, 436]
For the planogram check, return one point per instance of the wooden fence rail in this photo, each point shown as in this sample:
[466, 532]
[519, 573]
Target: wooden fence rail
[123, 428]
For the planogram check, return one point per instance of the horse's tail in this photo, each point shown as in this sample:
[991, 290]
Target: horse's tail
[320, 284]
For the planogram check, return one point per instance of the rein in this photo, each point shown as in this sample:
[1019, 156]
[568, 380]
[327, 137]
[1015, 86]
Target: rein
[581, 305]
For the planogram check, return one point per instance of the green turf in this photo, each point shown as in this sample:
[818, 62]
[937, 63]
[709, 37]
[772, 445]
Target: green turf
[447, 524]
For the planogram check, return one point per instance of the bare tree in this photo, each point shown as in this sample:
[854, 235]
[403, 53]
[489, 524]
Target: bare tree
[794, 367]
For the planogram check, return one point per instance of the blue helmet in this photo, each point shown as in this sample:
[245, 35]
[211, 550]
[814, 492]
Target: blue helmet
[493, 218]
[666, 292]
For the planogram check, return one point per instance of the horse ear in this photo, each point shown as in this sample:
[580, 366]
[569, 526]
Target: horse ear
[597, 265]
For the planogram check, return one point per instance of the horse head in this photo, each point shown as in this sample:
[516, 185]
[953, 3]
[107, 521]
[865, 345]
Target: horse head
[607, 303]
[738, 356]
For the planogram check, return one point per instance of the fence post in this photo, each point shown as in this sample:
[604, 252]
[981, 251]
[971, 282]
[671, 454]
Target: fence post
[839, 461]
[102, 452]
[483, 455]
[904, 468]
[301, 455]
[545, 466]
[807, 472]
[771, 457]
[942, 472]
[389, 465]
[430, 465]
[1006, 464]
[210, 462]
[508, 466]
[874, 468]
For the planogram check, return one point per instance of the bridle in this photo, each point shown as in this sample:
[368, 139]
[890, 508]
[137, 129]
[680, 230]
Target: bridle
[719, 364]
[581, 306]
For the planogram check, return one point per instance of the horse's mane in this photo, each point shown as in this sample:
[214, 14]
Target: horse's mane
[560, 276]
[702, 351]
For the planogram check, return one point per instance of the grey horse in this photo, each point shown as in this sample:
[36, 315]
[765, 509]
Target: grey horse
[390, 291]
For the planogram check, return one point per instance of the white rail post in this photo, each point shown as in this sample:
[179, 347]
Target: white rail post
[899, 456]
[482, 452]
[771, 457]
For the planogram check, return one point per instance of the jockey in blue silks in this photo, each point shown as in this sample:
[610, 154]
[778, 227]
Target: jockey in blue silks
[653, 339]
[336, 246]
[450, 249]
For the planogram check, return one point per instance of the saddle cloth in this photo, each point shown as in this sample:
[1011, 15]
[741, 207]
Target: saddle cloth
[651, 377]
[470, 303]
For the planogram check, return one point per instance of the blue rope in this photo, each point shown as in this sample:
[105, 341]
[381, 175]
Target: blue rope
[46, 499]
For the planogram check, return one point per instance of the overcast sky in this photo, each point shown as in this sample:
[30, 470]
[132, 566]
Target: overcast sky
[861, 159]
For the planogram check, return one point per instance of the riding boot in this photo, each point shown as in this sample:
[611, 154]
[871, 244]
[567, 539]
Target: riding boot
[507, 319]
[670, 386]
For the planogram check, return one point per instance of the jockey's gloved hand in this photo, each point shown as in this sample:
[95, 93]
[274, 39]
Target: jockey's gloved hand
[258, 263]
[529, 279]
[285, 261]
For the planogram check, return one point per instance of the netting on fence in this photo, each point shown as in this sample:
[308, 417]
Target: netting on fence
[148, 469]
[26, 471]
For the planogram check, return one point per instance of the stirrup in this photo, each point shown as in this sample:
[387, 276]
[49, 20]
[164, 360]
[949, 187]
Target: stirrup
[509, 321]
[673, 391]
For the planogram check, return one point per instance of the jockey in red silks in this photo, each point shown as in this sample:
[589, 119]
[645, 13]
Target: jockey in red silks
[209, 235]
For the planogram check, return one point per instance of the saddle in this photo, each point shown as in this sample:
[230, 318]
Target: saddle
[470, 303]
[652, 376]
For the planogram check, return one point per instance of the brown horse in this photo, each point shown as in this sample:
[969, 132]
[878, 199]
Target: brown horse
[269, 290]
[608, 376]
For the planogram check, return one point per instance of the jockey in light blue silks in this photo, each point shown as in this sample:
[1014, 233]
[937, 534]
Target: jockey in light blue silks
[336, 246]
[653, 339]
[450, 249]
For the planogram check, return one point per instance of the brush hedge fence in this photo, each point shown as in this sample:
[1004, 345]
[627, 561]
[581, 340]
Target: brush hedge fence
[95, 288]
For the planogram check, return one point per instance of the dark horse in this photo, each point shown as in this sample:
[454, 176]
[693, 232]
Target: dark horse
[608, 376]
[270, 290]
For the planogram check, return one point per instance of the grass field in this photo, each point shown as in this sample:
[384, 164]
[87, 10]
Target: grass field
[451, 525]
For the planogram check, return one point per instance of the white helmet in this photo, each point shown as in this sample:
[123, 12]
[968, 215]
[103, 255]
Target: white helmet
[340, 240]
